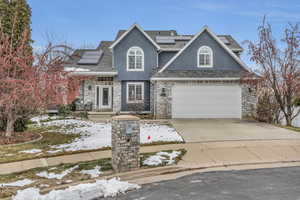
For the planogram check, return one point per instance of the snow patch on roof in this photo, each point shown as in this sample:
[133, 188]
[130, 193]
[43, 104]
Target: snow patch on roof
[76, 69]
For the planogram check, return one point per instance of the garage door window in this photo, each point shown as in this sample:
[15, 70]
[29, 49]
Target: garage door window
[135, 92]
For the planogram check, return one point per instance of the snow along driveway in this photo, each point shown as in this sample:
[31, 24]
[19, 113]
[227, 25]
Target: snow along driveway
[98, 135]
[101, 188]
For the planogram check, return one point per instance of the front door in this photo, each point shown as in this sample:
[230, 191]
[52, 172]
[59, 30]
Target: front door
[103, 97]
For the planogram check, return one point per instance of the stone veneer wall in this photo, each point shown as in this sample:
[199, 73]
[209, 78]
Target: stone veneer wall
[249, 101]
[117, 96]
[163, 104]
[89, 95]
[152, 85]
[125, 143]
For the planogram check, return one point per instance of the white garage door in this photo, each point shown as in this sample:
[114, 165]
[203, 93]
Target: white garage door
[203, 101]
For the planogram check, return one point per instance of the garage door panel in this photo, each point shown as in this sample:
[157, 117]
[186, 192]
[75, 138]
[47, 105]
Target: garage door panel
[206, 101]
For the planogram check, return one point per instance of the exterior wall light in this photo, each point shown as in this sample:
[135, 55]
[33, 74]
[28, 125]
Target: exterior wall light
[163, 92]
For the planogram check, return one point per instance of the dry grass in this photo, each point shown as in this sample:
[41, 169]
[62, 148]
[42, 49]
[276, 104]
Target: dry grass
[144, 156]
[297, 129]
[12, 153]
[43, 183]
[51, 137]
[74, 176]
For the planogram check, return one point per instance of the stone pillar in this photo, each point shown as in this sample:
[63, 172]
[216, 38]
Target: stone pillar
[125, 143]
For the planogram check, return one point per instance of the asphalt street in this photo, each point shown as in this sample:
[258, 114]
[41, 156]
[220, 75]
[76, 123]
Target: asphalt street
[261, 184]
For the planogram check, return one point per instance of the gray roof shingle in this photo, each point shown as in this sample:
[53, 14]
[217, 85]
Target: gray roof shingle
[104, 65]
[200, 74]
[233, 45]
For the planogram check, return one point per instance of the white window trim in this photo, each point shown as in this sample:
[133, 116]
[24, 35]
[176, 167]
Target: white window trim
[211, 57]
[143, 59]
[127, 92]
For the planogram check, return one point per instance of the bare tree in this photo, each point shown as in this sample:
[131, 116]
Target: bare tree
[29, 84]
[279, 67]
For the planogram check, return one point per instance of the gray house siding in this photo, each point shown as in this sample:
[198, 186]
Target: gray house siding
[164, 57]
[129, 107]
[134, 38]
[222, 60]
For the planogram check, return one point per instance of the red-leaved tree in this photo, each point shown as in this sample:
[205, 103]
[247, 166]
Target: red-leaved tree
[29, 84]
[279, 66]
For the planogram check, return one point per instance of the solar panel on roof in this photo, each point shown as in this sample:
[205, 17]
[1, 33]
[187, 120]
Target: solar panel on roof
[90, 57]
[165, 40]
[224, 40]
[182, 37]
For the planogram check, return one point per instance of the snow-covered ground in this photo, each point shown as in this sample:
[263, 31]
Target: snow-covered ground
[101, 188]
[20, 183]
[45, 174]
[98, 135]
[161, 158]
[92, 172]
[40, 118]
[32, 151]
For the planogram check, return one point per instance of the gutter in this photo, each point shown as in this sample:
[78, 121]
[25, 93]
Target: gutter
[94, 73]
[193, 79]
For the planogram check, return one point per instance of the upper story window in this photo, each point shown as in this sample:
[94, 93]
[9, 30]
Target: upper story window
[205, 57]
[135, 59]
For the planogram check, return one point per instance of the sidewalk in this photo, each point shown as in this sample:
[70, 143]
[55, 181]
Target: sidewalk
[199, 155]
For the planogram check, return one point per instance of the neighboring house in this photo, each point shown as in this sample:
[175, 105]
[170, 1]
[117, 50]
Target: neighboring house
[167, 74]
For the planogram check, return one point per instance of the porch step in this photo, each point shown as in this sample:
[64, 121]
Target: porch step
[101, 113]
[100, 118]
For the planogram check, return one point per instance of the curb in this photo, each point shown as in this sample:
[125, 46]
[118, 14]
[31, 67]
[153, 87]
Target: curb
[172, 172]
[139, 175]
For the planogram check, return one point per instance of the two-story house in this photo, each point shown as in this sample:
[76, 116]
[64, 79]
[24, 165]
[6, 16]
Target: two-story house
[165, 73]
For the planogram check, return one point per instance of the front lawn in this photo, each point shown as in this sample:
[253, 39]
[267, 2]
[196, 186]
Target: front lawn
[44, 178]
[67, 136]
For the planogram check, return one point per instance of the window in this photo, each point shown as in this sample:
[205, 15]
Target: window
[135, 92]
[205, 57]
[135, 59]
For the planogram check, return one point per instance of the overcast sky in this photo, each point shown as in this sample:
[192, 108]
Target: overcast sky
[87, 22]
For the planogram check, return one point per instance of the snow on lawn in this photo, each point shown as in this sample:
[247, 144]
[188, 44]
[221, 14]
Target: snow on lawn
[31, 151]
[19, 183]
[161, 158]
[54, 151]
[101, 188]
[92, 172]
[60, 176]
[98, 135]
[40, 118]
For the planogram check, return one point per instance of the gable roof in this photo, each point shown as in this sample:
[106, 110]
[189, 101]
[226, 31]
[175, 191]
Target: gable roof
[215, 37]
[179, 44]
[128, 31]
[151, 33]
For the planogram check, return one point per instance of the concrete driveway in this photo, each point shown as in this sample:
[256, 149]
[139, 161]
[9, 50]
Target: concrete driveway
[201, 130]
